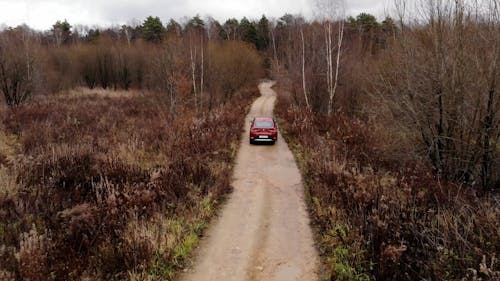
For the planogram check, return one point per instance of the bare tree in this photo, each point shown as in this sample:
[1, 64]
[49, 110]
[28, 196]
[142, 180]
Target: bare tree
[202, 66]
[192, 55]
[127, 31]
[440, 80]
[233, 65]
[167, 71]
[491, 121]
[197, 45]
[304, 88]
[331, 11]
[17, 71]
[272, 35]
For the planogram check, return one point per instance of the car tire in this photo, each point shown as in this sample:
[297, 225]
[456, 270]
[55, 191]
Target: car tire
[251, 141]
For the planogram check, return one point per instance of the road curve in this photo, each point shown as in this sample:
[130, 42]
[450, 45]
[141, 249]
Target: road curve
[262, 232]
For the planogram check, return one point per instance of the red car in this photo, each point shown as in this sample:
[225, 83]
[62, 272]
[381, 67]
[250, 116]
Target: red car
[263, 129]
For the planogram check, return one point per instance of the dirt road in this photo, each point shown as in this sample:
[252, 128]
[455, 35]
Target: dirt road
[263, 230]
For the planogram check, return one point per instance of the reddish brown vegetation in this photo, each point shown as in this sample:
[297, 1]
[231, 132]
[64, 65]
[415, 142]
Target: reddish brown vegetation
[403, 176]
[114, 185]
[88, 166]
[385, 219]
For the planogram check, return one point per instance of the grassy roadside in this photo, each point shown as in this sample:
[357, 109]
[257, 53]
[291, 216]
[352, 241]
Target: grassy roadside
[98, 187]
[379, 218]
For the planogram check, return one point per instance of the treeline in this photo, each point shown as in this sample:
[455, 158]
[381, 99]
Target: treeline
[191, 64]
[131, 56]
[435, 79]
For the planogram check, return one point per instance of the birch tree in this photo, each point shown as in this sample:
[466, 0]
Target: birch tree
[231, 29]
[304, 88]
[272, 35]
[329, 12]
[196, 34]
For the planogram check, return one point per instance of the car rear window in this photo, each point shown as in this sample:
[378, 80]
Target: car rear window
[264, 124]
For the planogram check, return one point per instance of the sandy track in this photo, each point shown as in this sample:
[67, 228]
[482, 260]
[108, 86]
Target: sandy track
[263, 230]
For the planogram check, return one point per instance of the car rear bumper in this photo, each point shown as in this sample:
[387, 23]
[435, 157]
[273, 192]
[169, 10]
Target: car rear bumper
[264, 138]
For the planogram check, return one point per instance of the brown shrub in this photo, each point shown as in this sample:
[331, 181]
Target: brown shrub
[90, 164]
[233, 65]
[6, 276]
[33, 255]
[381, 219]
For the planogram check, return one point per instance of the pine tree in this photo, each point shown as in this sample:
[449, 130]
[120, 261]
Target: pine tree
[153, 29]
[263, 34]
[248, 32]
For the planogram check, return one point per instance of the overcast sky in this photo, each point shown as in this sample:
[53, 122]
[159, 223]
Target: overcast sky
[41, 14]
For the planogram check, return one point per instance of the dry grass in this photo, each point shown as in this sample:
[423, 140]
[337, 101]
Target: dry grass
[7, 182]
[9, 147]
[381, 216]
[110, 186]
[100, 92]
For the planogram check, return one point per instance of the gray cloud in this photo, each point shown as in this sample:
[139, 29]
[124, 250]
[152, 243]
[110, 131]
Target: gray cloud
[379, 8]
[124, 11]
[41, 14]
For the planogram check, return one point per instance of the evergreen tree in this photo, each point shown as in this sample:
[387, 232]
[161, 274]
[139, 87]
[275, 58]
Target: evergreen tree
[364, 22]
[61, 32]
[388, 26]
[153, 29]
[263, 34]
[248, 31]
[196, 22]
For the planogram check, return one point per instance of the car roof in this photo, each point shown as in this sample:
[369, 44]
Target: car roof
[264, 119]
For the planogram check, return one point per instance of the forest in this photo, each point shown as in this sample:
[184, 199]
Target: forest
[117, 144]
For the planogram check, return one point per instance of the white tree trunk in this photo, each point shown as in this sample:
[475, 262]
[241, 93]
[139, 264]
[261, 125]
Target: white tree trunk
[329, 61]
[58, 37]
[202, 73]
[337, 66]
[128, 36]
[333, 75]
[273, 37]
[304, 68]
[193, 71]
